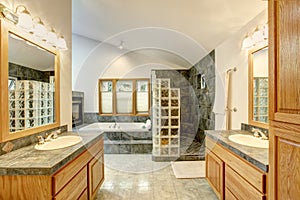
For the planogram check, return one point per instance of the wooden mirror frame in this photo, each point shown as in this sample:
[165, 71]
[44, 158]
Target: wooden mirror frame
[5, 135]
[250, 89]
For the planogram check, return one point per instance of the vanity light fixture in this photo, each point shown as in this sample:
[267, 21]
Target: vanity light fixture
[247, 42]
[8, 14]
[258, 38]
[25, 20]
[61, 43]
[266, 31]
[35, 26]
[51, 37]
[39, 29]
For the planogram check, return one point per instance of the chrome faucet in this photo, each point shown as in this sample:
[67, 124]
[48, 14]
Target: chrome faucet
[41, 140]
[259, 134]
[52, 135]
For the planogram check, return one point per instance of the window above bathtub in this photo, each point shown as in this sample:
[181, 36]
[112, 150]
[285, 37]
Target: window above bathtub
[124, 97]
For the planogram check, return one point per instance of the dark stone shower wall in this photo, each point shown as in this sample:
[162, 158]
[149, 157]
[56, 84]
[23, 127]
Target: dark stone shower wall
[206, 96]
[196, 103]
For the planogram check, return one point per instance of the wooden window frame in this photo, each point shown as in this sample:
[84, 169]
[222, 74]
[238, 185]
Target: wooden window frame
[114, 97]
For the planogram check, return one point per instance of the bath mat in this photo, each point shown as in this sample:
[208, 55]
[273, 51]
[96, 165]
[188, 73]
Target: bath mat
[188, 169]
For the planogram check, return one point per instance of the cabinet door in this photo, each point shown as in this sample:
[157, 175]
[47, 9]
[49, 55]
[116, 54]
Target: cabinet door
[285, 164]
[96, 174]
[284, 53]
[214, 173]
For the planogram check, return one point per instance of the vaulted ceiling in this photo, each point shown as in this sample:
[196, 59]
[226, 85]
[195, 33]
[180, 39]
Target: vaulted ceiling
[163, 24]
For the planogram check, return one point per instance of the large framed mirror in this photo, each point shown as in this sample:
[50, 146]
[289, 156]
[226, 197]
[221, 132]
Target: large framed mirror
[258, 87]
[29, 84]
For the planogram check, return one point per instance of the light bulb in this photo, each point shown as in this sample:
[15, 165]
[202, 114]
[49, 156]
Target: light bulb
[39, 29]
[25, 20]
[247, 42]
[61, 43]
[258, 35]
[51, 37]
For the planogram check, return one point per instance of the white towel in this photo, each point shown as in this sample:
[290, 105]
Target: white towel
[220, 101]
[148, 124]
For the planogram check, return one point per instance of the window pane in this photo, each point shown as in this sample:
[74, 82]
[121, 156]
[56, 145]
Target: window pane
[124, 97]
[142, 100]
[106, 97]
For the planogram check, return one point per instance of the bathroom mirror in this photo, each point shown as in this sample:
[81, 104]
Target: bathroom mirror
[30, 84]
[258, 87]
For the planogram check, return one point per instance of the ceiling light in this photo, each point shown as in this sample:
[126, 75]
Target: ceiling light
[121, 45]
[61, 43]
[25, 20]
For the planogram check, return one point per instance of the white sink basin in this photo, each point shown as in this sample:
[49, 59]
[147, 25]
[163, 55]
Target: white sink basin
[60, 142]
[249, 140]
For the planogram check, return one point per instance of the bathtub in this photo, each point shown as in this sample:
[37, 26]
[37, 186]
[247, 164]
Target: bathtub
[116, 127]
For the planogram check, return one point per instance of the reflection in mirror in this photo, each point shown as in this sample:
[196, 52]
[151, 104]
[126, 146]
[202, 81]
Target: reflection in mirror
[31, 85]
[258, 76]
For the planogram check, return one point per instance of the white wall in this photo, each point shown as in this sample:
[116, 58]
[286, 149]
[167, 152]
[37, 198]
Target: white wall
[228, 55]
[56, 14]
[93, 60]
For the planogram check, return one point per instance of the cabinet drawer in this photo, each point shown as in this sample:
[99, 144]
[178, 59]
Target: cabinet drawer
[79, 182]
[239, 187]
[67, 173]
[61, 178]
[229, 195]
[84, 195]
[255, 177]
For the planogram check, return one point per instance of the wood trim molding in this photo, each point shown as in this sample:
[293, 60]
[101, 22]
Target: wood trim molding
[134, 97]
[250, 90]
[5, 135]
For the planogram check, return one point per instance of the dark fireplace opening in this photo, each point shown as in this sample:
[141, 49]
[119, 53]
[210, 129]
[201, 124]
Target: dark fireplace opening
[77, 108]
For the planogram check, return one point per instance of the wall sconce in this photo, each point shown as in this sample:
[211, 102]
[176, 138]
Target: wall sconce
[257, 38]
[35, 26]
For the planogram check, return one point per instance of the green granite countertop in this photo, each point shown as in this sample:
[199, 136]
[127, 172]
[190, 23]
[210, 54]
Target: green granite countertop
[256, 156]
[29, 161]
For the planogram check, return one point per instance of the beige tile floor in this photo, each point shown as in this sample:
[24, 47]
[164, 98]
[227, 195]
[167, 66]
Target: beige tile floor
[157, 184]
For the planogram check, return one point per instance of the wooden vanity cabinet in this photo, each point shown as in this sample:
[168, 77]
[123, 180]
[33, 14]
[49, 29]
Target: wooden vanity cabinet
[78, 179]
[82, 177]
[231, 177]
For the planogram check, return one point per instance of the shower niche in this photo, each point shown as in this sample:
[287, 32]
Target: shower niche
[166, 120]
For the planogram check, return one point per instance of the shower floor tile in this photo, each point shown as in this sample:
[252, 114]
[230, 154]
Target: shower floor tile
[136, 177]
